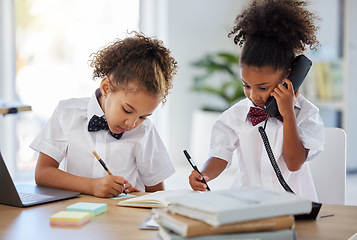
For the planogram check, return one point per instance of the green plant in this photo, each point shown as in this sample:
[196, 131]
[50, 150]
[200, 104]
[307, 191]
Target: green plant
[220, 77]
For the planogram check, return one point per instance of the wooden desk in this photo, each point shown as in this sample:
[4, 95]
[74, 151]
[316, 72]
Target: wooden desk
[342, 225]
[122, 223]
[33, 222]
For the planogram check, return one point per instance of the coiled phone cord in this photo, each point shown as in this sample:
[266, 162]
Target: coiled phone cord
[272, 158]
[315, 205]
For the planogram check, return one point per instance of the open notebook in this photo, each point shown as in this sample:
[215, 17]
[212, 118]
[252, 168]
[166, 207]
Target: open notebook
[24, 195]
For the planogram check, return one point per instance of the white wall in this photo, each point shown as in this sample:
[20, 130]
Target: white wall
[351, 55]
[7, 79]
[191, 29]
[194, 29]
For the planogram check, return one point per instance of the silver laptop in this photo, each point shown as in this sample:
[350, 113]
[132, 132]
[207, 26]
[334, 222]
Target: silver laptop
[24, 195]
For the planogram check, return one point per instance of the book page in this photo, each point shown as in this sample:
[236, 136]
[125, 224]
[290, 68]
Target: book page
[232, 199]
[155, 199]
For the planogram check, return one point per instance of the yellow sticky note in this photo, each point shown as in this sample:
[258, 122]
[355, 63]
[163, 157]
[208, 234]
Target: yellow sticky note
[69, 218]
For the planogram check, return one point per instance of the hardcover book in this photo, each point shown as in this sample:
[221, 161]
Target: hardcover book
[237, 205]
[285, 234]
[188, 227]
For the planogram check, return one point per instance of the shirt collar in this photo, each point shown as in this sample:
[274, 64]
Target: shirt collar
[94, 106]
[248, 105]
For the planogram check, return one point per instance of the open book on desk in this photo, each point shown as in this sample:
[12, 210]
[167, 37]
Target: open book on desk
[188, 227]
[154, 200]
[235, 205]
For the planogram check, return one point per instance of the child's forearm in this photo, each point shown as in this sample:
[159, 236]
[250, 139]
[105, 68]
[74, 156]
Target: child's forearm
[47, 174]
[158, 187]
[294, 152]
[213, 167]
[56, 178]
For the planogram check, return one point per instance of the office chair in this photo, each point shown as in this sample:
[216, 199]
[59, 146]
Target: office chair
[328, 169]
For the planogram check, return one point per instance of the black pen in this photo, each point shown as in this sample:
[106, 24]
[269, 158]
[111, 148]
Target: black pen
[104, 165]
[195, 167]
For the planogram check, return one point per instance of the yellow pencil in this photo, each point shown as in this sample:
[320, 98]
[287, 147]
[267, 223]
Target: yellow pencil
[104, 165]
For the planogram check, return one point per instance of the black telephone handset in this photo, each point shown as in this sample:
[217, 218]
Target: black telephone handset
[300, 68]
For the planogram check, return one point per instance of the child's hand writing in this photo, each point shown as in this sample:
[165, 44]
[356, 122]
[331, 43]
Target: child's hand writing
[129, 188]
[108, 186]
[285, 97]
[195, 181]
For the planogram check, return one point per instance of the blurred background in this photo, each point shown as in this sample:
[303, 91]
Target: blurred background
[45, 47]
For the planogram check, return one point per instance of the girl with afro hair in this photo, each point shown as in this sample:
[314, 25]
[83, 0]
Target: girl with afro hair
[136, 74]
[271, 33]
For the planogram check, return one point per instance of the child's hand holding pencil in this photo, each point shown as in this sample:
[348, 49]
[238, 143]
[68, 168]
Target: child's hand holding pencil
[108, 186]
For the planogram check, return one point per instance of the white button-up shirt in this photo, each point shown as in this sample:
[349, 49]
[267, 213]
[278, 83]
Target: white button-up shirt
[139, 155]
[233, 131]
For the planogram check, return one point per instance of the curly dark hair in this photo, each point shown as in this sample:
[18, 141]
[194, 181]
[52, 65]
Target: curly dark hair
[136, 59]
[273, 32]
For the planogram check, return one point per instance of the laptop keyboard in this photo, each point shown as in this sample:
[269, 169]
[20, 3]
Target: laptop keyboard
[33, 197]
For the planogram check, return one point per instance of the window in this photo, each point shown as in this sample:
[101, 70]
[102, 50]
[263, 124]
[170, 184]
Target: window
[54, 41]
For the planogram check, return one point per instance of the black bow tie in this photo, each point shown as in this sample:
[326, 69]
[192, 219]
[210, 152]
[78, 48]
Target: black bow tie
[97, 123]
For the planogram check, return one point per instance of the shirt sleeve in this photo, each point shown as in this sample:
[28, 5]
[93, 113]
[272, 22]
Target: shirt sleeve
[153, 161]
[224, 139]
[311, 129]
[52, 140]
